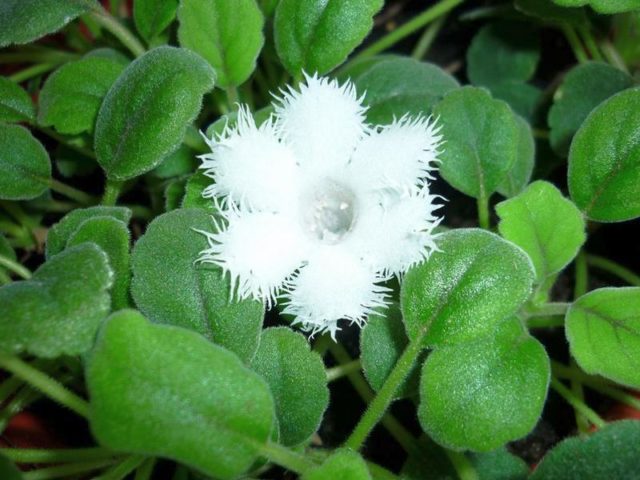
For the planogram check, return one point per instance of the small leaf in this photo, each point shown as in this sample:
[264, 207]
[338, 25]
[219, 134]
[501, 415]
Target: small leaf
[483, 137]
[342, 465]
[297, 381]
[520, 172]
[8, 471]
[549, 12]
[144, 116]
[227, 34]
[152, 17]
[464, 291]
[523, 98]
[25, 164]
[15, 103]
[318, 35]
[193, 193]
[165, 391]
[603, 6]
[611, 452]
[583, 89]
[23, 21]
[181, 162]
[170, 286]
[59, 234]
[544, 224]
[59, 310]
[174, 193]
[604, 161]
[479, 396]
[395, 86]
[71, 97]
[603, 329]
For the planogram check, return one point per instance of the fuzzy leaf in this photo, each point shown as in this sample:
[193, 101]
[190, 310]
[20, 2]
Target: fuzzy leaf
[520, 172]
[549, 12]
[342, 465]
[15, 103]
[152, 17]
[603, 6]
[193, 192]
[523, 98]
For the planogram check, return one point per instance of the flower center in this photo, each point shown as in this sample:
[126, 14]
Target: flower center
[329, 211]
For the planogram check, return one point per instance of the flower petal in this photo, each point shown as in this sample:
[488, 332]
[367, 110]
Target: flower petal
[334, 285]
[258, 249]
[251, 167]
[322, 122]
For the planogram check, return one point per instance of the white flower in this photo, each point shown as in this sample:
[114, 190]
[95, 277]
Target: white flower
[319, 208]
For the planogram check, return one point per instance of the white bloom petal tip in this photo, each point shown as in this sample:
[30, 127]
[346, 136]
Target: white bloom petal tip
[319, 208]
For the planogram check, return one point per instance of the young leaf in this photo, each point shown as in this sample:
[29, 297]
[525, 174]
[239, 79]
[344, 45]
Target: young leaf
[15, 103]
[464, 291]
[25, 164]
[59, 310]
[297, 381]
[544, 224]
[71, 97]
[479, 396]
[342, 465]
[611, 452]
[152, 17]
[603, 329]
[23, 21]
[166, 391]
[318, 35]
[519, 174]
[604, 161]
[584, 88]
[170, 286]
[143, 118]
[227, 34]
[483, 137]
[193, 192]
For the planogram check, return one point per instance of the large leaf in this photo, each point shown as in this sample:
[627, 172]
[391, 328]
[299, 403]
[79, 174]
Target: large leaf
[603, 328]
[604, 161]
[59, 310]
[169, 286]
[25, 164]
[318, 35]
[15, 103]
[603, 6]
[520, 172]
[153, 16]
[166, 391]
[145, 114]
[549, 12]
[227, 34]
[464, 291]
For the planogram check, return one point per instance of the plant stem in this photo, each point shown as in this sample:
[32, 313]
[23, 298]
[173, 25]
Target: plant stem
[112, 190]
[614, 268]
[577, 404]
[590, 42]
[27, 455]
[145, 470]
[483, 211]
[582, 276]
[111, 24]
[15, 267]
[380, 473]
[47, 385]
[286, 458]
[19, 402]
[341, 370]
[546, 322]
[574, 42]
[65, 141]
[427, 38]
[462, 465]
[65, 470]
[432, 13]
[32, 71]
[613, 56]
[71, 192]
[232, 96]
[122, 469]
[549, 309]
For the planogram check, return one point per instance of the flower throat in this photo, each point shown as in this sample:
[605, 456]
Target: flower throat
[329, 211]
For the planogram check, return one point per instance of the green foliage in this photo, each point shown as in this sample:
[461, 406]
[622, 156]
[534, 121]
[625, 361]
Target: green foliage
[297, 381]
[25, 164]
[519, 174]
[145, 114]
[342, 465]
[603, 329]
[603, 6]
[170, 286]
[193, 192]
[8, 471]
[166, 391]
[15, 103]
[180, 162]
[227, 34]
[604, 161]
[318, 35]
[59, 310]
[152, 17]
[549, 12]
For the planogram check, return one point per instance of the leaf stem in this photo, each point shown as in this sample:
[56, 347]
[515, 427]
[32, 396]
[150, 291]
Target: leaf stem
[427, 38]
[27, 455]
[483, 211]
[614, 268]
[612, 55]
[286, 458]
[61, 471]
[47, 385]
[577, 404]
[546, 322]
[111, 24]
[574, 42]
[15, 267]
[549, 309]
[112, 189]
[145, 470]
[590, 42]
[32, 71]
[582, 276]
[342, 370]
[122, 469]
[71, 192]
[463, 467]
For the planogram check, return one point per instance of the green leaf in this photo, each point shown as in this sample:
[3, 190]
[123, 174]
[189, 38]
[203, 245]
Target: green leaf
[519, 174]
[395, 86]
[501, 52]
[152, 17]
[583, 89]
[544, 224]
[59, 234]
[227, 34]
[193, 192]
[145, 114]
[342, 465]
[464, 291]
[174, 193]
[169, 286]
[297, 381]
[603, 6]
[604, 161]
[59, 310]
[6, 251]
[549, 12]
[8, 471]
[112, 236]
[15, 103]
[625, 33]
[25, 164]
[611, 452]
[318, 35]
[603, 329]
[499, 465]
[482, 140]
[23, 21]
[181, 162]
[479, 396]
[523, 98]
[71, 97]
[165, 391]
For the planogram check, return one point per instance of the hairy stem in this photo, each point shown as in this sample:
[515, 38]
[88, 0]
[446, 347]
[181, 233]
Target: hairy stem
[614, 268]
[15, 267]
[574, 42]
[286, 458]
[26, 455]
[577, 403]
[111, 24]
